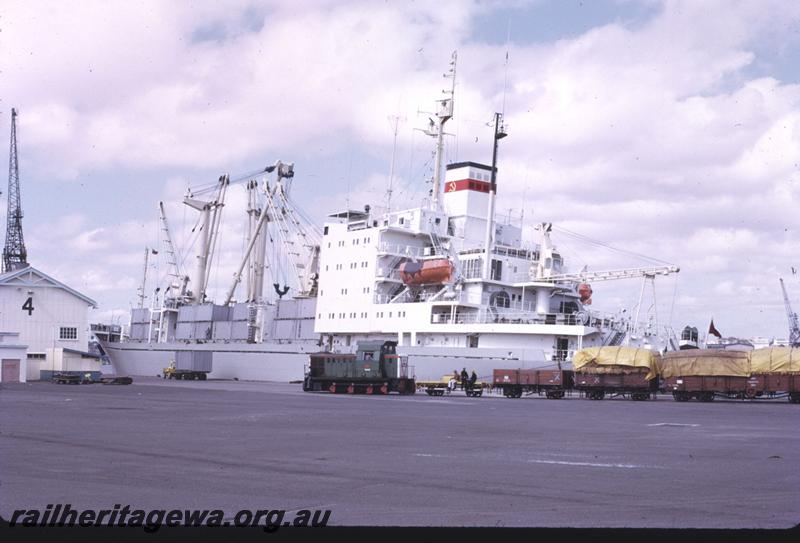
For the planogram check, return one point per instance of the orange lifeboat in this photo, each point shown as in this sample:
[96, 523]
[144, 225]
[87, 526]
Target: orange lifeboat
[585, 292]
[428, 272]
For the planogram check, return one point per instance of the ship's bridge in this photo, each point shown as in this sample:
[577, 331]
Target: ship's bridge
[356, 220]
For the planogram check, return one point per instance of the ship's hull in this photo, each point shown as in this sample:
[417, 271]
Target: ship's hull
[288, 362]
[250, 362]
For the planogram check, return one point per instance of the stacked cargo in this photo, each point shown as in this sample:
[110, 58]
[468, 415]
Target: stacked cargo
[705, 373]
[195, 322]
[288, 323]
[190, 365]
[616, 370]
[241, 315]
[234, 327]
[199, 361]
[140, 324]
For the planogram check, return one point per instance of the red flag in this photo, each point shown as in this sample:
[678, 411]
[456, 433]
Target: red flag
[712, 330]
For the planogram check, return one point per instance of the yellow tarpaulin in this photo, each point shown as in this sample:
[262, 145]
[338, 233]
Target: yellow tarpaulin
[715, 362]
[601, 360]
[775, 360]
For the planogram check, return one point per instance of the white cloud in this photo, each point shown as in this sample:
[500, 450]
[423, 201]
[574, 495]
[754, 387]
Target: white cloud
[655, 137]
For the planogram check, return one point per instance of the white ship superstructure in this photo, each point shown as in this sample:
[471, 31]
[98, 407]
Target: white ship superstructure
[455, 287]
[424, 278]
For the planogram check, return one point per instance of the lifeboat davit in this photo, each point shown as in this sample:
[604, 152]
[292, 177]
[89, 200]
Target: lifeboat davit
[427, 272]
[585, 292]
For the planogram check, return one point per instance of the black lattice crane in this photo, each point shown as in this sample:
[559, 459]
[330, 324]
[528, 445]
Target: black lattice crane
[794, 327]
[15, 256]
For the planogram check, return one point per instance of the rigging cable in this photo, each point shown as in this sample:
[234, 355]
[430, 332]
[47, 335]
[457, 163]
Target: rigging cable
[589, 240]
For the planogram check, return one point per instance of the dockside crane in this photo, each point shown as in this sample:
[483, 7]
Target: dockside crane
[794, 327]
[15, 256]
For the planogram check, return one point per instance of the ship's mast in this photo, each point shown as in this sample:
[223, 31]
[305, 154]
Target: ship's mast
[209, 229]
[15, 256]
[444, 114]
[253, 212]
[396, 120]
[499, 133]
[143, 286]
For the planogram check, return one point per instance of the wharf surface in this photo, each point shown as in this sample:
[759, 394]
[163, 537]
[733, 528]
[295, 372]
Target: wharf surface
[401, 460]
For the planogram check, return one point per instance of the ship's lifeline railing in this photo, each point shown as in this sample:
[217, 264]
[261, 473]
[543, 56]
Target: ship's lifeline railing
[491, 315]
[407, 250]
[482, 299]
[521, 252]
[388, 274]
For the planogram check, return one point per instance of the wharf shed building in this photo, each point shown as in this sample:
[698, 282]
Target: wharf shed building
[48, 319]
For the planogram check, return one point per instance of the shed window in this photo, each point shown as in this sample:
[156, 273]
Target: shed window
[68, 333]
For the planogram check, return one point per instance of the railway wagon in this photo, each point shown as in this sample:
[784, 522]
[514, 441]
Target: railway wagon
[374, 369]
[704, 374]
[553, 383]
[706, 387]
[616, 371]
[634, 384]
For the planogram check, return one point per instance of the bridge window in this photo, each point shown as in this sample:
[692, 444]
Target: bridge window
[501, 299]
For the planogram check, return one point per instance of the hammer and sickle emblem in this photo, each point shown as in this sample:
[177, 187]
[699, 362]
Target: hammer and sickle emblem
[451, 186]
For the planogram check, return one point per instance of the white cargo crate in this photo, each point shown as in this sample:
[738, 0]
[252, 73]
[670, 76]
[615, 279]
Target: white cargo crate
[239, 312]
[287, 309]
[186, 313]
[202, 330]
[239, 330]
[194, 360]
[140, 315]
[222, 330]
[210, 312]
[184, 330]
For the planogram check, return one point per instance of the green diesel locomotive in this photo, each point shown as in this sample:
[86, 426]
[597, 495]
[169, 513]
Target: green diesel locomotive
[375, 368]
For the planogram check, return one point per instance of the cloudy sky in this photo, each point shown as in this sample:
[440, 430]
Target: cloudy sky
[669, 129]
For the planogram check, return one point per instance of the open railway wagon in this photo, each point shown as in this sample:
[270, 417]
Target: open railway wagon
[616, 371]
[704, 374]
[553, 383]
[374, 369]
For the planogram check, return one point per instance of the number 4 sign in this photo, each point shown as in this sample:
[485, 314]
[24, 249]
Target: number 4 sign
[28, 305]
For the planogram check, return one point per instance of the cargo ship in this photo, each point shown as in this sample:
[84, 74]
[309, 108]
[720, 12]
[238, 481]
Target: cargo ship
[452, 285]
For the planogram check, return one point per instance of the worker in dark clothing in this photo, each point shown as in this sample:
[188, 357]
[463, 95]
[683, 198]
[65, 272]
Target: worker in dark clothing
[472, 380]
[464, 379]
